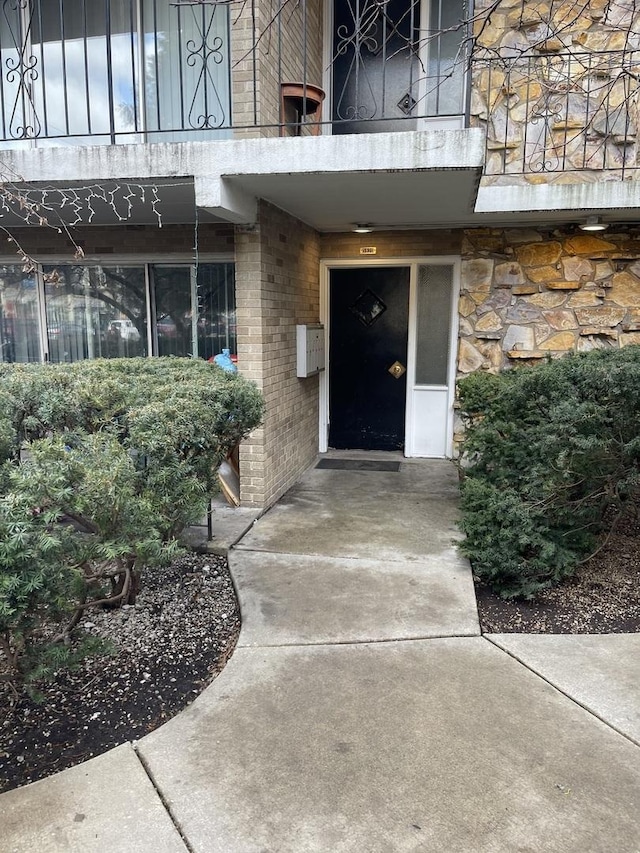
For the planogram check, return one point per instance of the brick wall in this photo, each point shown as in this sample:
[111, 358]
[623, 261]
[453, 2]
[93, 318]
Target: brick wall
[277, 287]
[391, 244]
[245, 83]
[123, 239]
[268, 48]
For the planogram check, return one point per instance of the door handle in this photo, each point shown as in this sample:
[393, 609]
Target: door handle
[397, 369]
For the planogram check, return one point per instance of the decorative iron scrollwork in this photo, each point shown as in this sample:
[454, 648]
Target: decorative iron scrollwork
[21, 69]
[376, 66]
[205, 52]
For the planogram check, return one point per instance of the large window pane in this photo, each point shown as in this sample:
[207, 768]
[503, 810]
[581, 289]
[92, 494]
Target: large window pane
[86, 78]
[95, 312]
[173, 313]
[101, 311]
[216, 309]
[434, 324]
[83, 72]
[186, 51]
[19, 331]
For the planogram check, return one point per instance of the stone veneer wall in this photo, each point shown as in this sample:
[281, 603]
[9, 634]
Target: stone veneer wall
[277, 287]
[550, 115]
[529, 294]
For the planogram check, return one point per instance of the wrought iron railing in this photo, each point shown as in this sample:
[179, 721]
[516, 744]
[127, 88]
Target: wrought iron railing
[111, 70]
[560, 112]
[108, 71]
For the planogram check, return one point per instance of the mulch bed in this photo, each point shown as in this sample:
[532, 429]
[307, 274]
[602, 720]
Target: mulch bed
[167, 648]
[603, 597]
[183, 629]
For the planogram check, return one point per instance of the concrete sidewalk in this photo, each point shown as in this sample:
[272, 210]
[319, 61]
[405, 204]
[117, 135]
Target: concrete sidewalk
[362, 711]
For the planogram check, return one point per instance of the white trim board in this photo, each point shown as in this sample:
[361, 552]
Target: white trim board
[326, 265]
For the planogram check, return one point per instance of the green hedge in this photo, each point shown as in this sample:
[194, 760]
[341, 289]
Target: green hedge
[102, 465]
[551, 458]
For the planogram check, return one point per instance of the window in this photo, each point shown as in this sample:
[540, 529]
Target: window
[83, 71]
[181, 330]
[95, 312]
[397, 64]
[19, 321]
[173, 305]
[70, 312]
[433, 328]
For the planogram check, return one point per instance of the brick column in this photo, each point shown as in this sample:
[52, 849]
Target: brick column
[277, 287]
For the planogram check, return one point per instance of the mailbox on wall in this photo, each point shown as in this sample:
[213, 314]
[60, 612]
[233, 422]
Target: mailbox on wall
[310, 350]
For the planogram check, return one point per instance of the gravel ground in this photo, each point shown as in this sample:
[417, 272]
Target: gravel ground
[603, 597]
[166, 649]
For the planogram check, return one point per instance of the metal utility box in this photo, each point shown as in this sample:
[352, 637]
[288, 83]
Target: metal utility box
[310, 350]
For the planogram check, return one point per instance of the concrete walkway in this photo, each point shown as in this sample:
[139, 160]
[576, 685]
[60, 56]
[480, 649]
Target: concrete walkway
[363, 712]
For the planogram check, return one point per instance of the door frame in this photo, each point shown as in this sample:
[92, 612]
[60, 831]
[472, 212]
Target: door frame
[413, 263]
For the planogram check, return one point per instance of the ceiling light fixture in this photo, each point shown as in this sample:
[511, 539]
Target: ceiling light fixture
[363, 228]
[593, 223]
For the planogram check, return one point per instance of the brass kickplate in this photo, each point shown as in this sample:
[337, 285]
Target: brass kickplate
[397, 369]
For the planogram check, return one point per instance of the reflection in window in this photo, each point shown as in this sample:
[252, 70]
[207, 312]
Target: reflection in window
[101, 311]
[186, 51]
[95, 312]
[173, 314]
[87, 80]
[216, 310]
[80, 72]
[19, 332]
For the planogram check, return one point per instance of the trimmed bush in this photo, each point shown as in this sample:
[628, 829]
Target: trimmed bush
[551, 458]
[102, 465]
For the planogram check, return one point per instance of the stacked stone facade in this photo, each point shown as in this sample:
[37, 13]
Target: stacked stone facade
[556, 87]
[530, 294]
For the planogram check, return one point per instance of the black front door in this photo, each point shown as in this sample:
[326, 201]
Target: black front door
[369, 323]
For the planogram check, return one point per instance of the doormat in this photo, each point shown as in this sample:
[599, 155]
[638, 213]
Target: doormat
[359, 464]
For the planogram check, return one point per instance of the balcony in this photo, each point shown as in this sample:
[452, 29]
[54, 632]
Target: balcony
[302, 104]
[559, 117]
[76, 72]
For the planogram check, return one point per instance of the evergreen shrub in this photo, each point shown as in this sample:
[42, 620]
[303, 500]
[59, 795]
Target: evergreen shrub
[102, 465]
[551, 459]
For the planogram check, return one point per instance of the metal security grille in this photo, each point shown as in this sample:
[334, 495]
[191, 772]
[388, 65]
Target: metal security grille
[395, 61]
[561, 112]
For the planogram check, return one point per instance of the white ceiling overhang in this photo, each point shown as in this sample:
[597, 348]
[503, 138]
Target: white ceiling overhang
[391, 180]
[419, 179]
